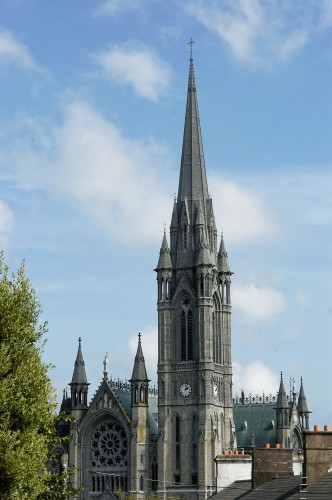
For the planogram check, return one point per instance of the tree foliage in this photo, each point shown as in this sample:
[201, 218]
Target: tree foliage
[27, 402]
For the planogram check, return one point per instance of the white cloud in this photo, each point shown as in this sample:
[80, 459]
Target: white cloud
[112, 7]
[244, 214]
[258, 303]
[326, 15]
[150, 351]
[12, 50]
[6, 221]
[137, 66]
[263, 30]
[254, 378]
[93, 166]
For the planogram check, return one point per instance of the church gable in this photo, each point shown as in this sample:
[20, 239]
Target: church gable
[106, 398]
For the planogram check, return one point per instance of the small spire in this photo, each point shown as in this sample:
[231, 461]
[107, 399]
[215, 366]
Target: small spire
[164, 255]
[174, 221]
[79, 375]
[302, 406]
[282, 402]
[200, 221]
[139, 370]
[223, 264]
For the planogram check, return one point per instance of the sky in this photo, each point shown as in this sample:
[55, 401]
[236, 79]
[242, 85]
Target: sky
[92, 99]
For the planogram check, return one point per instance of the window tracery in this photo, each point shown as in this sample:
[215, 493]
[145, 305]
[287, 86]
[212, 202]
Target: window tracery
[109, 445]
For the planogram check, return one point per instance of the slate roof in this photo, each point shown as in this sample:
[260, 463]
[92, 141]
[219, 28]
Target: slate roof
[277, 489]
[322, 488]
[124, 397]
[258, 418]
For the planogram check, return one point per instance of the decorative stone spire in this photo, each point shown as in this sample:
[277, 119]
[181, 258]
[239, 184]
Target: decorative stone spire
[139, 371]
[223, 264]
[139, 379]
[79, 384]
[165, 255]
[193, 182]
[282, 402]
[175, 221]
[302, 408]
[79, 375]
[204, 256]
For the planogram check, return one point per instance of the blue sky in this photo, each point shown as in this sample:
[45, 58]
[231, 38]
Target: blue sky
[92, 98]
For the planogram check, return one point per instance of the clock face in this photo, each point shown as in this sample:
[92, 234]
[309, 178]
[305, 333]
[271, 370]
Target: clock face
[185, 390]
[215, 390]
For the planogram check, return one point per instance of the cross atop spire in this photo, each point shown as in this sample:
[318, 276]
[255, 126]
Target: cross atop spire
[191, 43]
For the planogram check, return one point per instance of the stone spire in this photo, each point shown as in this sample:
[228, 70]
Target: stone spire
[192, 183]
[139, 380]
[165, 255]
[79, 375]
[302, 408]
[282, 402]
[223, 264]
[79, 385]
[139, 371]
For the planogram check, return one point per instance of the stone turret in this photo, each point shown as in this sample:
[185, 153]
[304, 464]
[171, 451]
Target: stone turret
[79, 385]
[282, 409]
[302, 408]
[140, 423]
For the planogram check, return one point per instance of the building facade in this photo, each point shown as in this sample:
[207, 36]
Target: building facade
[136, 439]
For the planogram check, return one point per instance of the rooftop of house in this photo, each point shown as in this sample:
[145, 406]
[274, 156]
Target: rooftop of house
[277, 489]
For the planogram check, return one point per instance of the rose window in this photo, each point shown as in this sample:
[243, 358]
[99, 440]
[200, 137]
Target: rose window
[109, 446]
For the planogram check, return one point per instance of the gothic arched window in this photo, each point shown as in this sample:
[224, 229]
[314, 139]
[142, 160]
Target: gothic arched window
[187, 344]
[177, 444]
[216, 330]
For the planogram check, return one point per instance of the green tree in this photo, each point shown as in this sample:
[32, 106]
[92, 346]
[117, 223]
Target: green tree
[27, 402]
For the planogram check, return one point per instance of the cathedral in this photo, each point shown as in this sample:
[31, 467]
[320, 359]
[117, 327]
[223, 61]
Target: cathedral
[165, 441]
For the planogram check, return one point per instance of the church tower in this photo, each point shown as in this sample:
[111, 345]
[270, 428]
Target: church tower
[195, 416]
